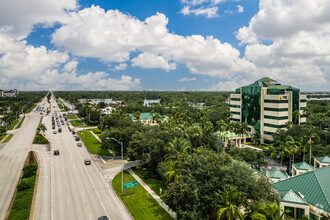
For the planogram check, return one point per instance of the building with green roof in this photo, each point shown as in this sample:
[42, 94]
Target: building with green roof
[267, 106]
[149, 118]
[300, 168]
[321, 161]
[277, 175]
[312, 188]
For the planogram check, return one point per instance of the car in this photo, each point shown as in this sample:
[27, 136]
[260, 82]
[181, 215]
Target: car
[87, 162]
[77, 138]
[56, 152]
[79, 144]
[54, 132]
[103, 218]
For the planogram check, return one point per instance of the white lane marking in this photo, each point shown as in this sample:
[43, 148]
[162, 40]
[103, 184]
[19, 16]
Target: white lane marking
[102, 159]
[90, 179]
[90, 217]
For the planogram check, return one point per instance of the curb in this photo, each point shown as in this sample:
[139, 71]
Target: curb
[35, 190]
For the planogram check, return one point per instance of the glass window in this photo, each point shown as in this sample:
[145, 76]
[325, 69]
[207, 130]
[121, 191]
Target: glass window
[276, 109]
[300, 213]
[313, 217]
[234, 119]
[303, 100]
[302, 108]
[274, 126]
[289, 211]
[235, 113]
[235, 99]
[275, 101]
[235, 106]
[276, 118]
[268, 132]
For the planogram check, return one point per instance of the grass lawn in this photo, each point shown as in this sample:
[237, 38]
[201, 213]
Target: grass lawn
[92, 144]
[97, 131]
[40, 139]
[8, 138]
[77, 123]
[141, 205]
[13, 124]
[72, 117]
[20, 123]
[154, 184]
[2, 136]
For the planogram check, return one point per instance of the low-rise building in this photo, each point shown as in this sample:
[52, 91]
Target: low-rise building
[321, 162]
[9, 93]
[107, 110]
[277, 175]
[150, 102]
[300, 168]
[149, 119]
[306, 194]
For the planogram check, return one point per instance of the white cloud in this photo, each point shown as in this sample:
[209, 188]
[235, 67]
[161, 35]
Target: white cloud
[209, 12]
[149, 60]
[121, 66]
[240, 8]
[17, 17]
[299, 49]
[112, 36]
[186, 79]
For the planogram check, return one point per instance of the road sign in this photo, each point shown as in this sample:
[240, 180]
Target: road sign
[130, 184]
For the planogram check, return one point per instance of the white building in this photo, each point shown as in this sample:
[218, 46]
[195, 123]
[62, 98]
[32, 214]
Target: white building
[147, 102]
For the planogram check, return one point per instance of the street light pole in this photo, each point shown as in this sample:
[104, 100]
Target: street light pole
[122, 162]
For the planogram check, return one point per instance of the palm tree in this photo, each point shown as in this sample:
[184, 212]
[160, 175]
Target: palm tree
[137, 115]
[320, 118]
[293, 147]
[256, 137]
[268, 211]
[288, 124]
[222, 126]
[307, 111]
[208, 126]
[310, 133]
[42, 128]
[172, 171]
[229, 204]
[176, 147]
[295, 116]
[243, 128]
[196, 133]
[272, 151]
[282, 150]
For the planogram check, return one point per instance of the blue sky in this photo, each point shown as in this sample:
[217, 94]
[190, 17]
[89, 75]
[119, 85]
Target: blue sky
[163, 45]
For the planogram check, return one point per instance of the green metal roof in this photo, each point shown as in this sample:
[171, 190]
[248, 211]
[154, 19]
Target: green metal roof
[266, 79]
[291, 197]
[314, 186]
[145, 116]
[277, 174]
[303, 166]
[279, 86]
[324, 159]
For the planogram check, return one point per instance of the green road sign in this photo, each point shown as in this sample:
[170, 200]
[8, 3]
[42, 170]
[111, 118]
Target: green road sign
[130, 184]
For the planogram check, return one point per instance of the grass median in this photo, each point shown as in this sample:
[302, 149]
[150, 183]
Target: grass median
[13, 124]
[92, 144]
[8, 138]
[77, 123]
[72, 117]
[141, 205]
[40, 139]
[20, 123]
[23, 199]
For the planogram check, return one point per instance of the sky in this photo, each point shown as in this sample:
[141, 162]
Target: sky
[163, 45]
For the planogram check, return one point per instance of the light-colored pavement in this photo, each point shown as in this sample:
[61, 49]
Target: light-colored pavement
[77, 191]
[12, 158]
[153, 194]
[69, 105]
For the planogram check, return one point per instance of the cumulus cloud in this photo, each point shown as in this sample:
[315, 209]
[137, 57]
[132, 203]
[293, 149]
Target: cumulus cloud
[17, 17]
[209, 12]
[240, 8]
[121, 66]
[149, 60]
[298, 48]
[112, 36]
[186, 79]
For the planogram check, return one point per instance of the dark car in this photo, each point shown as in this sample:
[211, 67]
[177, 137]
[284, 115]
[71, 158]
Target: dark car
[77, 138]
[56, 152]
[103, 218]
[87, 162]
[79, 144]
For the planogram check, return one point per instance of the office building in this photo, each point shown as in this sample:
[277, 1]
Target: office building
[267, 106]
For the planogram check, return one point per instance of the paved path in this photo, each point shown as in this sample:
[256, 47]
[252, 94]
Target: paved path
[153, 194]
[111, 152]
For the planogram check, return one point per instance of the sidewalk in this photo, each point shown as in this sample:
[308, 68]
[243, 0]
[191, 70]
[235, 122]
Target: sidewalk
[153, 194]
[111, 152]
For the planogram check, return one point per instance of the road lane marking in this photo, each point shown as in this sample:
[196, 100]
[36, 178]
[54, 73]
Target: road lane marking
[102, 159]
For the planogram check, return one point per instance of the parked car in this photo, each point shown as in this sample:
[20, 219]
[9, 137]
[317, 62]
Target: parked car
[56, 152]
[87, 162]
[55, 132]
[77, 138]
[79, 144]
[103, 218]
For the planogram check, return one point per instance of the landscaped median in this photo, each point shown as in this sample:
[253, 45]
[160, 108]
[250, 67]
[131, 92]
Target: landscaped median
[92, 144]
[8, 138]
[141, 205]
[22, 205]
[40, 139]
[20, 123]
[72, 116]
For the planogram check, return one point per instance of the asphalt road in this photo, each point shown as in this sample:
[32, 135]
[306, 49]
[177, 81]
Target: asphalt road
[77, 191]
[12, 157]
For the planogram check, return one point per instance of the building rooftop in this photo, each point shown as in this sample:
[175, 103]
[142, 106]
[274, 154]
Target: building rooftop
[303, 166]
[266, 79]
[145, 116]
[277, 174]
[314, 186]
[228, 134]
[323, 159]
[291, 197]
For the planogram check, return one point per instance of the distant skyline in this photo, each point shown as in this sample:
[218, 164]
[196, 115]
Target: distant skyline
[177, 45]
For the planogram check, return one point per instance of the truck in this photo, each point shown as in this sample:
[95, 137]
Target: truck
[71, 128]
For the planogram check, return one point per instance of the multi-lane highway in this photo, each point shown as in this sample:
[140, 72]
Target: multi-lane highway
[12, 157]
[68, 189]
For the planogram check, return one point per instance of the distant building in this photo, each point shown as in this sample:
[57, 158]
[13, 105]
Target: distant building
[277, 175]
[147, 102]
[266, 106]
[300, 168]
[107, 110]
[9, 93]
[321, 162]
[147, 118]
[97, 101]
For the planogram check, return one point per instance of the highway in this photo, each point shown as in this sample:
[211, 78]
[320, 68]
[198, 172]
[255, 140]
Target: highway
[12, 157]
[77, 191]
[68, 189]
